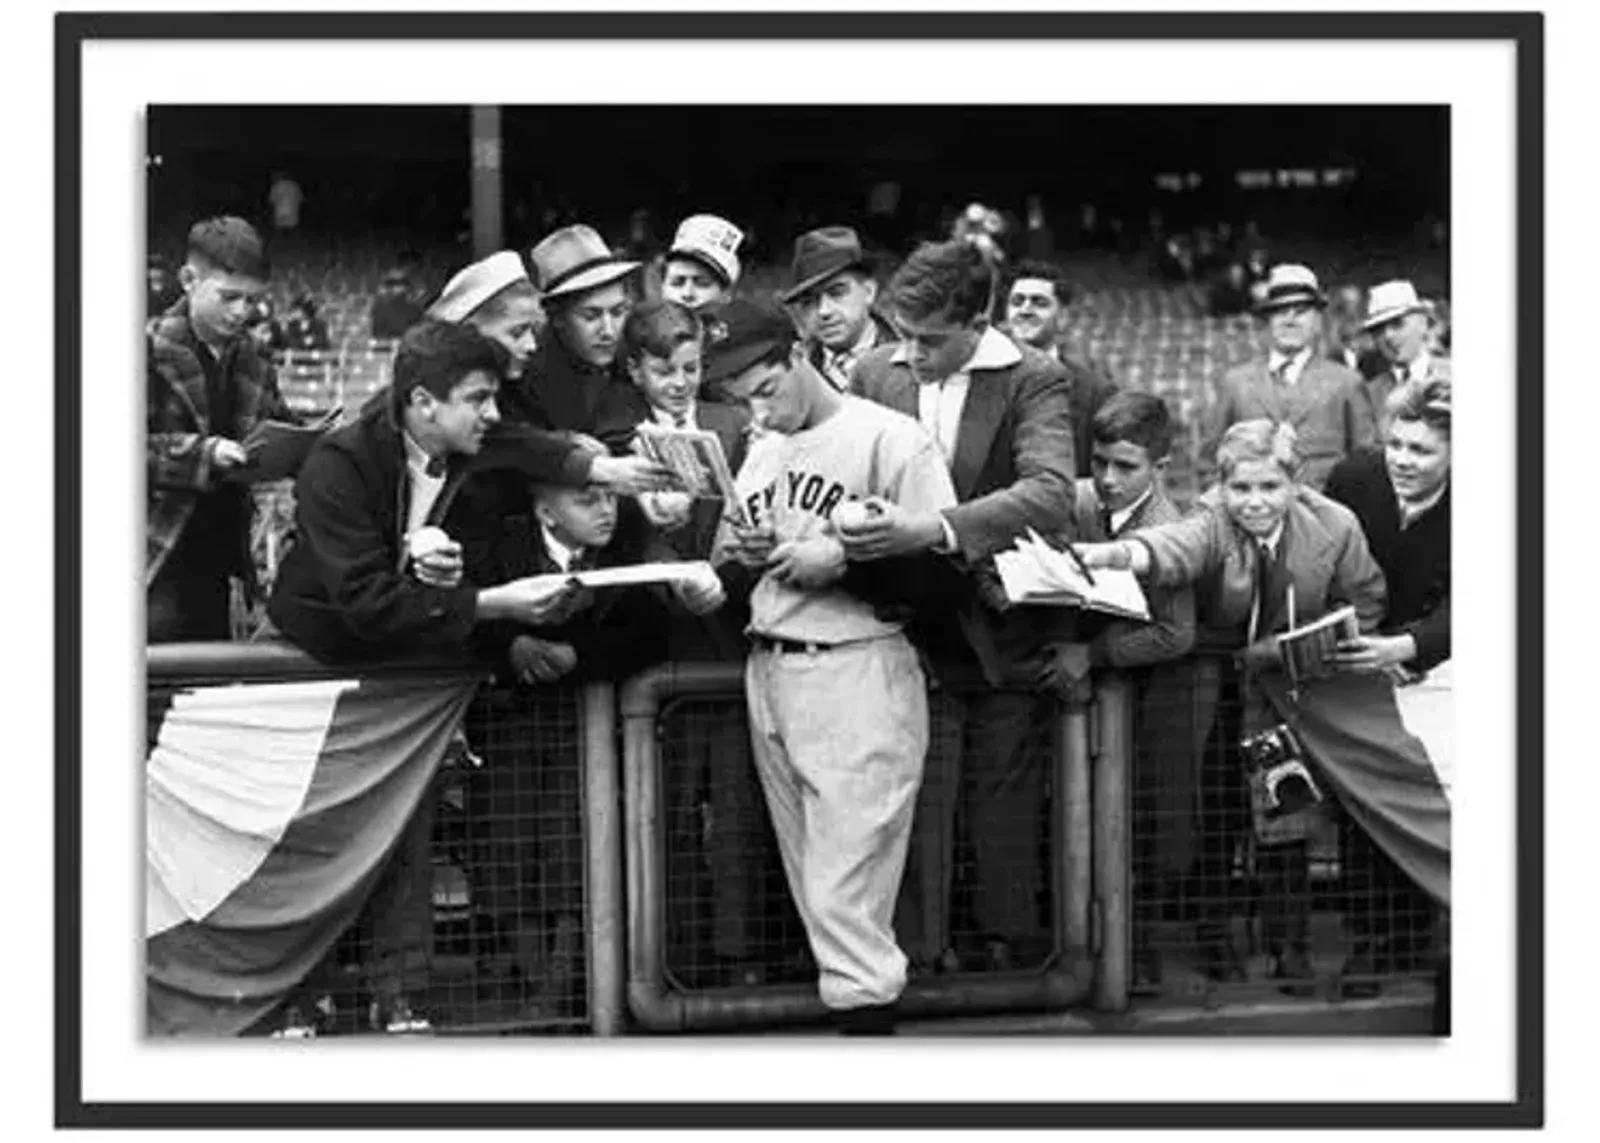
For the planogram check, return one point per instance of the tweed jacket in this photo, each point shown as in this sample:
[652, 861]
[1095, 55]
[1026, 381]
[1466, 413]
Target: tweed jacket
[1323, 554]
[1013, 466]
[181, 435]
[1013, 469]
[1324, 405]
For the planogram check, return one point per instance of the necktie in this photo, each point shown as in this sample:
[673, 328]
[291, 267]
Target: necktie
[578, 561]
[1107, 529]
[1280, 375]
[681, 420]
[1260, 608]
[435, 467]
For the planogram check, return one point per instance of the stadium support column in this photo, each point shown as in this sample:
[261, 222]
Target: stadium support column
[487, 228]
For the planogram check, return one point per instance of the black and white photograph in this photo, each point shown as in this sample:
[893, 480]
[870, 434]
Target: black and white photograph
[409, 355]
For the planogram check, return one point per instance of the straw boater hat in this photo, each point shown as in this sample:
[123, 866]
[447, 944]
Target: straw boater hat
[711, 241]
[1289, 284]
[476, 284]
[574, 259]
[819, 255]
[1390, 300]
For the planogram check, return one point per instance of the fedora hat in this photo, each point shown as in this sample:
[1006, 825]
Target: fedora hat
[1390, 300]
[474, 285]
[574, 259]
[1290, 284]
[712, 241]
[819, 255]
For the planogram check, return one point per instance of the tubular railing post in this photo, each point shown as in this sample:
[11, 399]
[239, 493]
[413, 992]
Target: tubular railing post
[1112, 838]
[1075, 814]
[603, 844]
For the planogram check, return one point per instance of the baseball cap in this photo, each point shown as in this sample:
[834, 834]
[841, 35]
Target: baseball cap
[742, 333]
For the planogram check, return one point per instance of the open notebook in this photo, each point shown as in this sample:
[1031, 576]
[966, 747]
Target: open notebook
[1034, 572]
[629, 575]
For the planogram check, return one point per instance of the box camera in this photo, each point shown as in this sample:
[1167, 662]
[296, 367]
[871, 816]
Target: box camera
[1277, 772]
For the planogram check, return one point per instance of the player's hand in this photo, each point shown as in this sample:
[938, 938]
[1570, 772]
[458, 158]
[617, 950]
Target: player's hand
[807, 564]
[1065, 673]
[435, 558]
[227, 454]
[752, 546]
[886, 530]
[630, 475]
[701, 592]
[667, 511]
[535, 660]
[1373, 654]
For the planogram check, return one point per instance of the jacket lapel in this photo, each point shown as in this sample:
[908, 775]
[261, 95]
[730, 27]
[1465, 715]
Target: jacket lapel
[981, 415]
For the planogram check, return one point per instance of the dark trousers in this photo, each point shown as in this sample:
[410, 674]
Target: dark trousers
[1384, 909]
[398, 919]
[979, 759]
[186, 605]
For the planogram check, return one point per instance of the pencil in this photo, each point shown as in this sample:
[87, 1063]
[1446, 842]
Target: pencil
[1077, 559]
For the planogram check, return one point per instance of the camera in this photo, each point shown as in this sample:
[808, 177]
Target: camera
[1280, 781]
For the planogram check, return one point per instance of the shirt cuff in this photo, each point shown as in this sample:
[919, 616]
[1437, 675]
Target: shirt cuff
[947, 543]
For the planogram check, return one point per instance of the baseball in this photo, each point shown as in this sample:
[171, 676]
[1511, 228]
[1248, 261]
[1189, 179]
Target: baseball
[425, 541]
[852, 514]
[673, 503]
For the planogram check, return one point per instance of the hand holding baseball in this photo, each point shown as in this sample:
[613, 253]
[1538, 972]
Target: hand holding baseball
[700, 592]
[435, 558]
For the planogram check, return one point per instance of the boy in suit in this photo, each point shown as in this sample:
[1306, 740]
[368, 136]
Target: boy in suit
[1321, 399]
[530, 863]
[1132, 442]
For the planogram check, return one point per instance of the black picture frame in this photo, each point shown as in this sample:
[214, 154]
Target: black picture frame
[1524, 29]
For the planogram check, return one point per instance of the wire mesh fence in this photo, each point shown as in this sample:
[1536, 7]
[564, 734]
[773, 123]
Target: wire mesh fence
[1231, 906]
[979, 894]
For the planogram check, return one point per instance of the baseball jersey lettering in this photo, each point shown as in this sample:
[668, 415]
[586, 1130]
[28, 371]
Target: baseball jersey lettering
[793, 484]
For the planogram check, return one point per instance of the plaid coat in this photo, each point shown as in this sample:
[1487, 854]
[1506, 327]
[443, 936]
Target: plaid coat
[180, 438]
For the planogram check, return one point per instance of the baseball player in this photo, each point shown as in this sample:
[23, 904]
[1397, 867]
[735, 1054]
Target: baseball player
[837, 701]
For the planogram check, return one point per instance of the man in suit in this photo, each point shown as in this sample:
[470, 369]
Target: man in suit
[1401, 323]
[1294, 384]
[1132, 436]
[831, 294]
[207, 389]
[1001, 415]
[1036, 315]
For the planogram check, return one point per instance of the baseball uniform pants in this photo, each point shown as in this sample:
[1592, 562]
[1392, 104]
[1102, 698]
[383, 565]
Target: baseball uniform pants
[840, 737]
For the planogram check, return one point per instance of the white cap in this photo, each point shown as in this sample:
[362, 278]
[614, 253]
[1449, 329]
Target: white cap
[476, 284]
[711, 239]
[1389, 300]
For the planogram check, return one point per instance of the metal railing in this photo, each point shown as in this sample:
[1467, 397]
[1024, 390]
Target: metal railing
[660, 1000]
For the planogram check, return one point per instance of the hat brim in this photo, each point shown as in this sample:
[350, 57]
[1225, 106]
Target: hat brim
[1383, 317]
[1297, 298]
[592, 278]
[726, 368]
[799, 289]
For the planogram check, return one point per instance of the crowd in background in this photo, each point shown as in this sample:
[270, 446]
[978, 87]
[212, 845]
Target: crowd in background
[889, 431]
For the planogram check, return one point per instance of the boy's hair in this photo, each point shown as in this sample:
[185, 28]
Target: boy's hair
[437, 356]
[1045, 272]
[228, 244]
[1424, 399]
[657, 328]
[940, 277]
[1138, 418]
[1260, 439]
